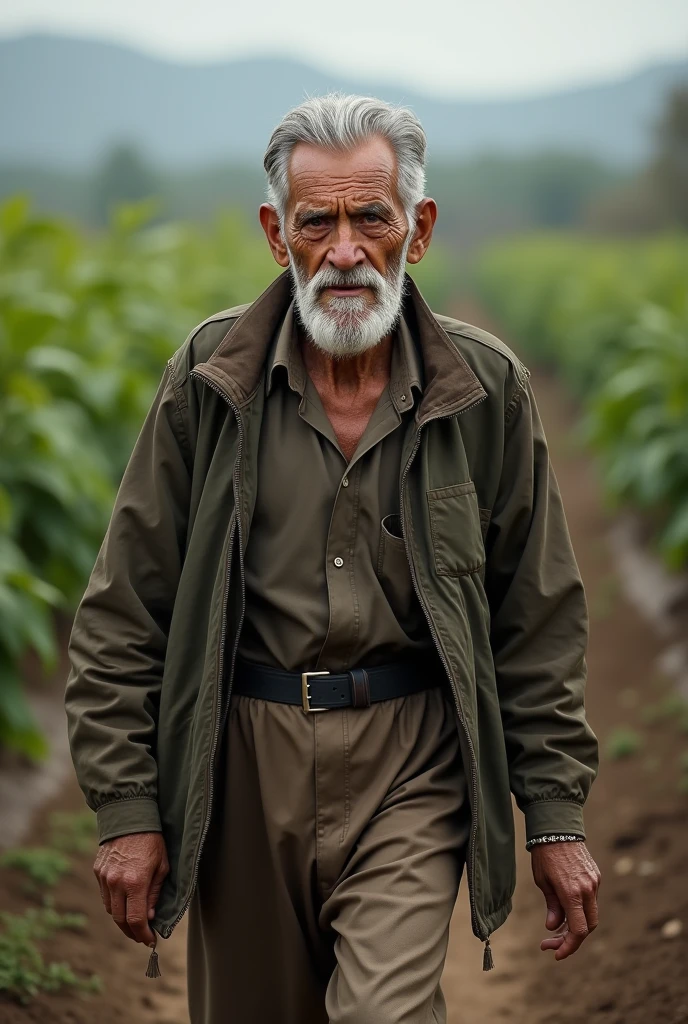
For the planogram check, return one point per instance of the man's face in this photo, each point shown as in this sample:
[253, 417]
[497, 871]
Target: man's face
[347, 236]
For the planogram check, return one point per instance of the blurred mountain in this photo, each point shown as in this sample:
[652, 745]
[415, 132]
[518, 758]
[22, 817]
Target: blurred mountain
[64, 102]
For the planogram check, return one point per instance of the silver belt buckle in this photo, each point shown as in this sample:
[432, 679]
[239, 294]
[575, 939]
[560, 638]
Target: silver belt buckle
[305, 692]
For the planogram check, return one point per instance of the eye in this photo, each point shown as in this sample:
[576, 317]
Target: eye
[315, 222]
[372, 218]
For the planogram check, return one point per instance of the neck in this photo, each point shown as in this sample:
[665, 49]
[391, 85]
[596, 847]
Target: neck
[349, 374]
[349, 388]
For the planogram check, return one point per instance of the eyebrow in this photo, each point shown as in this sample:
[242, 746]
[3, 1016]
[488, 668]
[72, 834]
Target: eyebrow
[306, 215]
[379, 209]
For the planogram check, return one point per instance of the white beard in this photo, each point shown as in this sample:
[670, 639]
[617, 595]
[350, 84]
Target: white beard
[345, 326]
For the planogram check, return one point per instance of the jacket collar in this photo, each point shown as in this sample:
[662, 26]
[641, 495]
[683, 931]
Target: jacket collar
[238, 361]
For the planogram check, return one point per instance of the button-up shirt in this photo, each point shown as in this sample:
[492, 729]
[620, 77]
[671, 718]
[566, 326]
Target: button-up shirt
[328, 585]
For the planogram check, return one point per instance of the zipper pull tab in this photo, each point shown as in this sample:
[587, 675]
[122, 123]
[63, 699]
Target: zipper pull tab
[488, 962]
[153, 970]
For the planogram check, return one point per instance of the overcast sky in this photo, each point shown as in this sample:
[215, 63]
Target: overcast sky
[488, 47]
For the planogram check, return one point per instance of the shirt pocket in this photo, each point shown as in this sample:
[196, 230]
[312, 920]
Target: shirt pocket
[394, 575]
[457, 526]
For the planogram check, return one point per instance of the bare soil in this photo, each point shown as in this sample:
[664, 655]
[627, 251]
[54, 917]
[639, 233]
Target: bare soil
[637, 821]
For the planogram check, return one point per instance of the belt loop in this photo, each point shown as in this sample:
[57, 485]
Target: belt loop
[360, 688]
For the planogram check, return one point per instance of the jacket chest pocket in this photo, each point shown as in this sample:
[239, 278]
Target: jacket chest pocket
[457, 527]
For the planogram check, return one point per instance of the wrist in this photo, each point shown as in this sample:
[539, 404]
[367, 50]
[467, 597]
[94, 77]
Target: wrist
[557, 837]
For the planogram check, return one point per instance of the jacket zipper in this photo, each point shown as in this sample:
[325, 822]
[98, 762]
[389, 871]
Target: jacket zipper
[236, 525]
[487, 959]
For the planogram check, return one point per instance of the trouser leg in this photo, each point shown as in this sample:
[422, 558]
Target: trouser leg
[391, 905]
[255, 953]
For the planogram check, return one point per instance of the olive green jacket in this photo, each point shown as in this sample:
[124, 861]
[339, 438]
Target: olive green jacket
[154, 639]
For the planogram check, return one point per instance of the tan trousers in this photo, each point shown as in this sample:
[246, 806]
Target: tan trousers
[331, 866]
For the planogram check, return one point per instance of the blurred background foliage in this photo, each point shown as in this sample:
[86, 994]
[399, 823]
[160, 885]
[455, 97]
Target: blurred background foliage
[87, 321]
[102, 274]
[612, 320]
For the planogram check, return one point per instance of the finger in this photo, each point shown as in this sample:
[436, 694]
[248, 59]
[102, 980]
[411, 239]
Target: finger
[102, 887]
[137, 917]
[155, 887]
[590, 909]
[577, 930]
[104, 890]
[105, 895]
[555, 912]
[119, 910]
[552, 942]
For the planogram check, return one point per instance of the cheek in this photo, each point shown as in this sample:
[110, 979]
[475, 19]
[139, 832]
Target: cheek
[309, 253]
[388, 249]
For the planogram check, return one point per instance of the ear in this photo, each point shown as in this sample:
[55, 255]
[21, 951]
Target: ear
[271, 226]
[426, 213]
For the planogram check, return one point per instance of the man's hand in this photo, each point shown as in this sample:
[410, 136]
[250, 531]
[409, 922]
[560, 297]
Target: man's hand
[130, 872]
[570, 880]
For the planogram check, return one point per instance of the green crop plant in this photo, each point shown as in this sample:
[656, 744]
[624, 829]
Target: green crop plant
[43, 866]
[671, 708]
[623, 742]
[612, 319]
[73, 832]
[23, 971]
[87, 323]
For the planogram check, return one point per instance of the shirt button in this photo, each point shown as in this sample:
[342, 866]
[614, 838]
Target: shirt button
[339, 562]
[345, 482]
[403, 398]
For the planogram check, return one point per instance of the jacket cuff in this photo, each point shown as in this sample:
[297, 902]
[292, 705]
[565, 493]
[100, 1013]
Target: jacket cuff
[550, 816]
[127, 815]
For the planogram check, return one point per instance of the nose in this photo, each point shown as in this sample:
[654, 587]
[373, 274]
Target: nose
[344, 253]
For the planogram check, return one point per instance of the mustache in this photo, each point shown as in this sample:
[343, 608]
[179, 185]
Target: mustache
[356, 277]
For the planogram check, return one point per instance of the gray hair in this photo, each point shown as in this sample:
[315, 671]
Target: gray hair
[340, 122]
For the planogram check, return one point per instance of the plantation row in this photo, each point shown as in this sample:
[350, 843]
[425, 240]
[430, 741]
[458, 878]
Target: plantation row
[86, 325]
[612, 320]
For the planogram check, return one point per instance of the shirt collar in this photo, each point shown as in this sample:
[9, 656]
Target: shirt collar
[285, 352]
[406, 372]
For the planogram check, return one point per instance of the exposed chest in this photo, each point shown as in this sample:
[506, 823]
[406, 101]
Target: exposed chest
[350, 412]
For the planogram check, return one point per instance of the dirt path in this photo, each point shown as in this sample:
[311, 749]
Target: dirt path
[626, 973]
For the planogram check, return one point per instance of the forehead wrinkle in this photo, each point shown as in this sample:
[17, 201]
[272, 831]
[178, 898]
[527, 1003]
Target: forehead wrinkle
[324, 189]
[373, 178]
[356, 195]
[318, 173]
[354, 201]
[375, 156]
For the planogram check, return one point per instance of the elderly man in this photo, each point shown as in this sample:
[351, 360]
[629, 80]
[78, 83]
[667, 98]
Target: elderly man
[335, 621]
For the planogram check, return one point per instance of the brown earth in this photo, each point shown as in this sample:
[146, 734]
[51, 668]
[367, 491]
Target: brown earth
[625, 973]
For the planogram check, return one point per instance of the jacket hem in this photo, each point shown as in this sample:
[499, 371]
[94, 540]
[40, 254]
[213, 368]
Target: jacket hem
[495, 919]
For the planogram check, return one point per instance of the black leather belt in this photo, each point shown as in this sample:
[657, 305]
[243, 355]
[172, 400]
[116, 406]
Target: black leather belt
[322, 691]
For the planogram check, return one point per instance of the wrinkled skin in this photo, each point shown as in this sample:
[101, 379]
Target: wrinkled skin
[344, 211]
[570, 881]
[130, 872]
